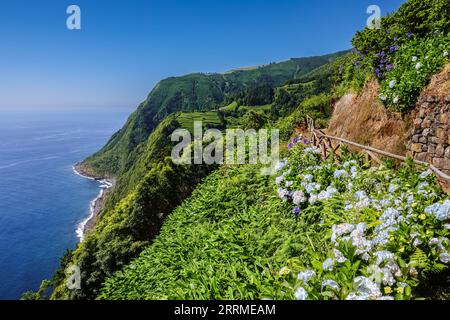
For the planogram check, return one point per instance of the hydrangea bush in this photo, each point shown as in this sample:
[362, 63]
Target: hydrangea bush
[411, 68]
[387, 230]
[411, 46]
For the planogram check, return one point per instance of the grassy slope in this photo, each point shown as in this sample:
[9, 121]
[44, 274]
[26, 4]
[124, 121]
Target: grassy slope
[228, 241]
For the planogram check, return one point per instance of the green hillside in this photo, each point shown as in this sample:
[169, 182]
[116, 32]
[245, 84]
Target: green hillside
[194, 92]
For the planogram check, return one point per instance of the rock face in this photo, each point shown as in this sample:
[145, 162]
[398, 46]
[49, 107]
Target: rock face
[423, 133]
[364, 119]
[429, 135]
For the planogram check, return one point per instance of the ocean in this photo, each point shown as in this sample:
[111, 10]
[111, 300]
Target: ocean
[42, 201]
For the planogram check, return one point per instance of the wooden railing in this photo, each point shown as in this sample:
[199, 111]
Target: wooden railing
[325, 143]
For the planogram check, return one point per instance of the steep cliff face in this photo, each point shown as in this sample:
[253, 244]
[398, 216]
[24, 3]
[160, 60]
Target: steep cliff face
[363, 119]
[429, 136]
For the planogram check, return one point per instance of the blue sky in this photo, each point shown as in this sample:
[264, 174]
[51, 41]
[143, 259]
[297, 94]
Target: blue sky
[126, 47]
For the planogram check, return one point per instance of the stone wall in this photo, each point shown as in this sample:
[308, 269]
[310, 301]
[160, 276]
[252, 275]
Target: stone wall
[429, 137]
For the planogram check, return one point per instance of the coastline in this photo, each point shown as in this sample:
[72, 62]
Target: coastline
[96, 204]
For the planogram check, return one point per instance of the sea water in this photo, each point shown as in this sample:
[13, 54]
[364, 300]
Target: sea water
[42, 201]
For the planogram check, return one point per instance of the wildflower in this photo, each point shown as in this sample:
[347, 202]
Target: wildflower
[393, 48]
[393, 188]
[360, 195]
[440, 211]
[340, 173]
[306, 275]
[328, 264]
[289, 183]
[354, 296]
[422, 217]
[340, 230]
[419, 65]
[311, 187]
[301, 293]
[409, 34]
[414, 59]
[383, 97]
[298, 197]
[284, 271]
[282, 193]
[312, 150]
[392, 84]
[296, 211]
[279, 179]
[307, 177]
[444, 257]
[387, 290]
[367, 287]
[330, 283]
[280, 165]
[435, 242]
[396, 99]
[339, 256]
[313, 198]
[400, 290]
[387, 298]
[447, 226]
[383, 255]
[445, 54]
[425, 174]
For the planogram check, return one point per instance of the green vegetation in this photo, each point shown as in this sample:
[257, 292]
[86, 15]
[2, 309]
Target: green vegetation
[228, 241]
[411, 46]
[193, 92]
[122, 233]
[210, 119]
[236, 238]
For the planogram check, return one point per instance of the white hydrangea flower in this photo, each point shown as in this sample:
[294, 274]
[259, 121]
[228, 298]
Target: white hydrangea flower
[298, 197]
[383, 256]
[444, 257]
[313, 198]
[328, 264]
[279, 179]
[340, 230]
[425, 174]
[339, 256]
[282, 193]
[340, 173]
[396, 100]
[301, 293]
[440, 211]
[393, 188]
[306, 275]
[392, 84]
[330, 283]
[280, 165]
[367, 287]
